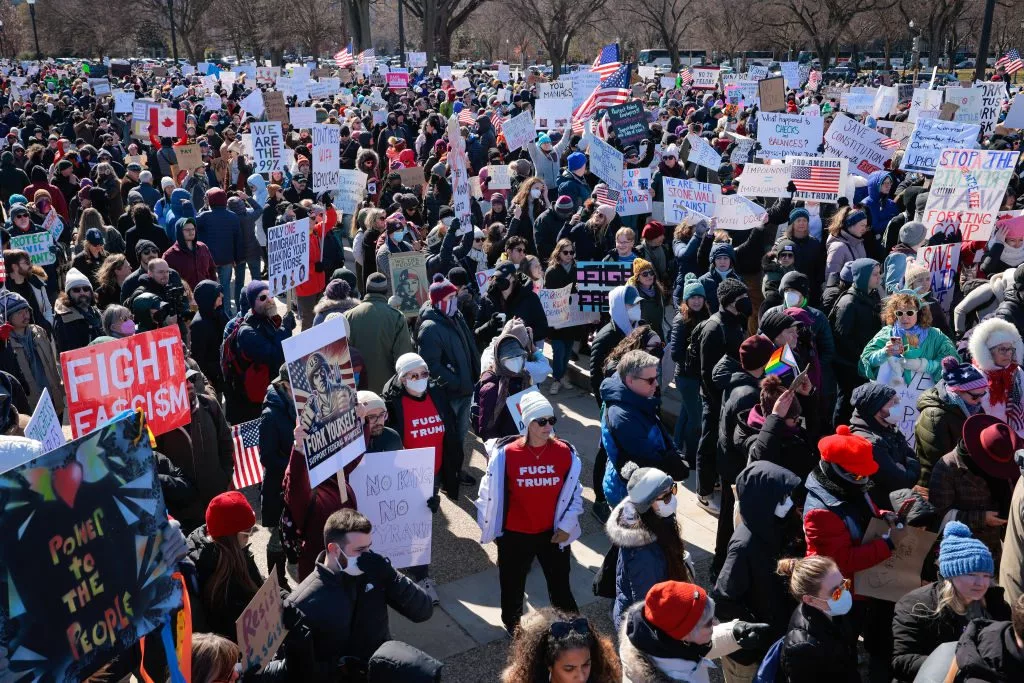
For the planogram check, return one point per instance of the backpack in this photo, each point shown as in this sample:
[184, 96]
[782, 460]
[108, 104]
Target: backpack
[604, 580]
[768, 671]
[239, 372]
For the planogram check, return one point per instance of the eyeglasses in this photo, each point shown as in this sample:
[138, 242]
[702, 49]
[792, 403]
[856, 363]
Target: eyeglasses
[545, 421]
[418, 375]
[560, 629]
[1003, 348]
[80, 290]
[377, 417]
[650, 380]
[520, 250]
[568, 253]
[838, 592]
[647, 273]
[478, 239]
[667, 496]
[904, 314]
[262, 297]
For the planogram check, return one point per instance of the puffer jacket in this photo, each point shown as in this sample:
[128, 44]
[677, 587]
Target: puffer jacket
[221, 230]
[248, 212]
[938, 429]
[277, 424]
[987, 652]
[897, 466]
[768, 439]
[449, 349]
[740, 392]
[817, 648]
[220, 616]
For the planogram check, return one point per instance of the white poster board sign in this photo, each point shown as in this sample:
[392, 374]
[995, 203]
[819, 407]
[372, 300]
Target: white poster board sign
[930, 137]
[866, 150]
[683, 196]
[781, 135]
[326, 156]
[267, 146]
[606, 163]
[44, 426]
[288, 255]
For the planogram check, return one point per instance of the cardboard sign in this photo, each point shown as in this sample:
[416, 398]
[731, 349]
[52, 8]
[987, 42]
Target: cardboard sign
[324, 389]
[594, 279]
[123, 101]
[705, 78]
[635, 197]
[629, 121]
[943, 261]
[782, 135]
[552, 114]
[519, 131]
[499, 177]
[817, 179]
[702, 153]
[866, 150]
[930, 137]
[409, 280]
[556, 304]
[39, 246]
[351, 190]
[267, 146]
[736, 212]
[288, 255]
[967, 192]
[189, 157]
[606, 163]
[901, 573]
[81, 531]
[44, 425]
[392, 489]
[326, 167]
[260, 627]
[276, 109]
[145, 371]
[683, 195]
[772, 94]
[414, 177]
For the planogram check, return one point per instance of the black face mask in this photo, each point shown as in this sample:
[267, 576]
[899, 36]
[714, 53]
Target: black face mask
[501, 282]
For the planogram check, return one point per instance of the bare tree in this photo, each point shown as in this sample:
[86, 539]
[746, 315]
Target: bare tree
[935, 19]
[667, 20]
[189, 23]
[822, 21]
[314, 25]
[85, 27]
[555, 23]
[440, 20]
[726, 26]
[359, 24]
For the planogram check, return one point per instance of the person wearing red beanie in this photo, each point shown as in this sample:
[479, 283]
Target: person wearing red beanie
[673, 635]
[226, 572]
[652, 248]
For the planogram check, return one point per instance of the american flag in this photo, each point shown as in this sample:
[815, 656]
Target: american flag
[814, 80]
[1011, 61]
[607, 61]
[367, 57]
[246, 440]
[686, 76]
[816, 179]
[889, 143]
[610, 91]
[343, 59]
[606, 196]
[497, 121]
[467, 117]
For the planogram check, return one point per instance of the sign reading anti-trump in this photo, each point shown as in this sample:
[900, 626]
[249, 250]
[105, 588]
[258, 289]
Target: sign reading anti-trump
[144, 371]
[967, 191]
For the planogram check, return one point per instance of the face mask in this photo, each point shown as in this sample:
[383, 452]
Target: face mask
[634, 313]
[744, 307]
[893, 418]
[398, 235]
[126, 328]
[501, 283]
[417, 386]
[535, 193]
[451, 306]
[350, 567]
[448, 221]
[792, 298]
[514, 365]
[783, 508]
[841, 606]
[665, 509]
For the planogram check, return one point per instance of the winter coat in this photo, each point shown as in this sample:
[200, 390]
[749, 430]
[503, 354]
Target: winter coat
[51, 369]
[12, 178]
[933, 349]
[556, 277]
[144, 230]
[259, 344]
[853, 319]
[71, 329]
[938, 429]
[601, 346]
[486, 392]
[207, 331]
[897, 466]
[917, 630]
[840, 249]
[546, 229]
[710, 280]
[490, 502]
[248, 212]
[954, 485]
[381, 334]
[817, 648]
[631, 430]
[679, 342]
[987, 652]
[880, 208]
[1010, 577]
[546, 166]
[775, 443]
[523, 303]
[325, 595]
[448, 347]
[221, 230]
[740, 392]
[316, 280]
[574, 186]
[193, 264]
[720, 334]
[277, 424]
[220, 617]
[748, 588]
[33, 290]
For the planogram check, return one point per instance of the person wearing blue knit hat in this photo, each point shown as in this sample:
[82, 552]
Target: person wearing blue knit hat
[572, 182]
[939, 612]
[692, 311]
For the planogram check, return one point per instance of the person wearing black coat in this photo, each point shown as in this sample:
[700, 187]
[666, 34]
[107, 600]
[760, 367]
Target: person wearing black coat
[207, 331]
[991, 651]
[855, 319]
[748, 587]
[817, 648]
[277, 425]
[562, 338]
[511, 293]
[1012, 308]
[546, 231]
[233, 596]
[775, 440]
[898, 466]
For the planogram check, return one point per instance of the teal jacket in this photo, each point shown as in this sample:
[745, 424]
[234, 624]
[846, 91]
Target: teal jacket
[935, 347]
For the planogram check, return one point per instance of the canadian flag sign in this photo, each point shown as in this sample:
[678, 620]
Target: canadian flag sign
[167, 123]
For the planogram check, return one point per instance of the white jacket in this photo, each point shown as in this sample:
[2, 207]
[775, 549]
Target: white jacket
[490, 502]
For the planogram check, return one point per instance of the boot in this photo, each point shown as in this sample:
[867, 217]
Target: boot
[278, 561]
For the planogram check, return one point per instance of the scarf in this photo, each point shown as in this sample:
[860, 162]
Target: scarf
[1012, 256]
[913, 336]
[28, 342]
[953, 398]
[654, 642]
[1000, 489]
[92, 316]
[1001, 383]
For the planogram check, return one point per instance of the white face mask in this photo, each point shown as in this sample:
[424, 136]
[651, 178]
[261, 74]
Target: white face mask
[448, 221]
[783, 508]
[535, 193]
[893, 417]
[792, 298]
[634, 313]
[665, 509]
[839, 607]
[417, 386]
[514, 364]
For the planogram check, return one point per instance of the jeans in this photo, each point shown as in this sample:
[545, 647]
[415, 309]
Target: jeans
[515, 556]
[707, 447]
[254, 273]
[461, 406]
[224, 277]
[560, 349]
[687, 430]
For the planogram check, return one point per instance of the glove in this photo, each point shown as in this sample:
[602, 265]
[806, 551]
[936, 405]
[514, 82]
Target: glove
[173, 547]
[791, 187]
[456, 224]
[434, 503]
[288, 321]
[915, 364]
[821, 148]
[376, 567]
[751, 636]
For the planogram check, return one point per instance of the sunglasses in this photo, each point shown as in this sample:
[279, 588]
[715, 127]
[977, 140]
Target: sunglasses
[80, 290]
[545, 421]
[262, 297]
[418, 375]
[785, 254]
[560, 629]
[838, 592]
[568, 253]
[650, 380]
[667, 496]
[478, 239]
[146, 252]
[905, 314]
[647, 273]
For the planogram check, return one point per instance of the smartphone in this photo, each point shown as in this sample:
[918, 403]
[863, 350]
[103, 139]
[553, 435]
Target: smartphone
[897, 341]
[905, 508]
[798, 378]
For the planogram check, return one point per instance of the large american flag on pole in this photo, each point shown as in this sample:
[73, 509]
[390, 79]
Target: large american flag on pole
[246, 440]
[367, 57]
[610, 91]
[343, 59]
[816, 179]
[607, 61]
[1011, 61]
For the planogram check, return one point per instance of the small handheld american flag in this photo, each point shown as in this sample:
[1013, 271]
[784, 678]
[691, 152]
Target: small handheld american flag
[686, 76]
[606, 196]
[467, 117]
[1011, 61]
[246, 440]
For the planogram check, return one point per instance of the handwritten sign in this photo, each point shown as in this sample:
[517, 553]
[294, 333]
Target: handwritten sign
[991, 103]
[942, 261]
[123, 101]
[189, 157]
[866, 150]
[253, 103]
[351, 190]
[326, 156]
[552, 113]
[705, 78]
[606, 163]
[288, 255]
[781, 135]
[267, 146]
[772, 94]
[595, 279]
[556, 305]
[635, 197]
[893, 578]
[629, 121]
[930, 137]
[967, 191]
[38, 245]
[302, 117]
[519, 131]
[682, 196]
[44, 425]
[702, 153]
[554, 90]
[736, 212]
[260, 627]
[276, 109]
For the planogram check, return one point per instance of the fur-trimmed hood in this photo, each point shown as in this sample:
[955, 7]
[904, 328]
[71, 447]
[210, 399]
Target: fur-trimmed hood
[625, 528]
[989, 333]
[637, 667]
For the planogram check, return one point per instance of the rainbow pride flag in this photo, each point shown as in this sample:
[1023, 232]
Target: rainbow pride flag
[781, 362]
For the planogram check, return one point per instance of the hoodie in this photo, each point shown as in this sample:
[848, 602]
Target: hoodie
[619, 314]
[248, 215]
[880, 208]
[207, 330]
[144, 229]
[193, 264]
[178, 206]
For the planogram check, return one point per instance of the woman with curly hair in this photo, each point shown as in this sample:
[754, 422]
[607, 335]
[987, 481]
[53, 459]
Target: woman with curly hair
[551, 645]
[527, 206]
[907, 343]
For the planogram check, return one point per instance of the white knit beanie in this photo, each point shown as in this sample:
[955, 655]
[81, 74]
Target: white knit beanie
[370, 400]
[534, 406]
[75, 278]
[408, 362]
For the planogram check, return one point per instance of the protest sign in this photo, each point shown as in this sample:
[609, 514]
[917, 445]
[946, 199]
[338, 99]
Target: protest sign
[445, 72]
[893, 578]
[635, 197]
[1015, 117]
[552, 114]
[817, 179]
[858, 103]
[930, 137]
[747, 91]
[556, 304]
[942, 261]
[667, 82]
[145, 371]
[771, 92]
[81, 529]
[213, 102]
[967, 191]
[499, 177]
[514, 403]
[413, 177]
[757, 73]
[267, 75]
[99, 86]
[44, 425]
[924, 103]
[392, 489]
[704, 77]
[991, 103]
[690, 195]
[462, 84]
[267, 146]
[791, 74]
[253, 103]
[227, 79]
[646, 72]
[324, 388]
[53, 224]
[629, 121]
[302, 117]
[736, 212]
[554, 90]
[276, 109]
[519, 131]
[326, 169]
[583, 83]
[123, 101]
[409, 280]
[483, 279]
[324, 88]
[458, 164]
[38, 245]
[741, 152]
[351, 190]
[906, 409]
[594, 279]
[968, 102]
[260, 627]
[190, 157]
[397, 80]
[865, 149]
[884, 102]
[703, 154]
[788, 134]
[416, 60]
[606, 163]
[288, 255]
[141, 116]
